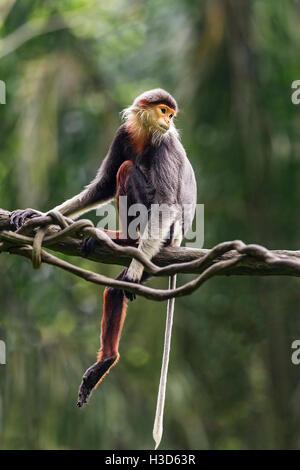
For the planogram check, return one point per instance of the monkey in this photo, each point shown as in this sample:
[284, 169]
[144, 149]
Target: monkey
[147, 163]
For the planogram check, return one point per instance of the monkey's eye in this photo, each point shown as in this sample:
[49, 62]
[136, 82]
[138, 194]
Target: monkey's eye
[163, 110]
[171, 115]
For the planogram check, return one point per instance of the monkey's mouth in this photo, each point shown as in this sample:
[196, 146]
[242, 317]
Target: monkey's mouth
[164, 128]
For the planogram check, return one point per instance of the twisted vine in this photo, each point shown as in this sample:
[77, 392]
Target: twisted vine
[46, 231]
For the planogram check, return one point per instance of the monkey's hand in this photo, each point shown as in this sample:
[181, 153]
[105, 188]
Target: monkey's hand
[18, 217]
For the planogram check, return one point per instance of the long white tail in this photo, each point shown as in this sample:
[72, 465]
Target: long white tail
[159, 415]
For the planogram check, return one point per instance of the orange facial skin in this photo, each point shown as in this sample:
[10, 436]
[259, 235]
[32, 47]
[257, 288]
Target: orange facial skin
[165, 114]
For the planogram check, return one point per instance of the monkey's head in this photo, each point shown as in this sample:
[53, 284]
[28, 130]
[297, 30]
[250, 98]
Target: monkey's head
[152, 113]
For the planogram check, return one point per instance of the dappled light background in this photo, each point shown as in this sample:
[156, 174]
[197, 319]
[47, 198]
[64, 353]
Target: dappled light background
[70, 67]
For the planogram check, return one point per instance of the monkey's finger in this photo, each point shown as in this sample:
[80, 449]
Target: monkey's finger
[24, 217]
[18, 217]
[14, 217]
[92, 377]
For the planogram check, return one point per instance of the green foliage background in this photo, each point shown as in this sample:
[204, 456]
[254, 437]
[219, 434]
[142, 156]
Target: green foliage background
[70, 67]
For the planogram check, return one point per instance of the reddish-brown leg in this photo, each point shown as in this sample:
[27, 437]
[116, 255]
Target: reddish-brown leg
[114, 311]
[129, 183]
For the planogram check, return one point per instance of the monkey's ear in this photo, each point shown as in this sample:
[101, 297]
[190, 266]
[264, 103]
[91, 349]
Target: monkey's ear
[143, 103]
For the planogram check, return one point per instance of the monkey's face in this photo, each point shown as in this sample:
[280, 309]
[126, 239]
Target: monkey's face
[147, 119]
[158, 117]
[163, 116]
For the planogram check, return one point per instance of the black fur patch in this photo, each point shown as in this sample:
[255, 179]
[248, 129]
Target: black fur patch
[156, 96]
[91, 377]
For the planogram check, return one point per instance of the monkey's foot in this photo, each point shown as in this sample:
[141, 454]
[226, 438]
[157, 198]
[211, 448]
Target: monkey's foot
[18, 217]
[130, 295]
[124, 277]
[88, 246]
[92, 377]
